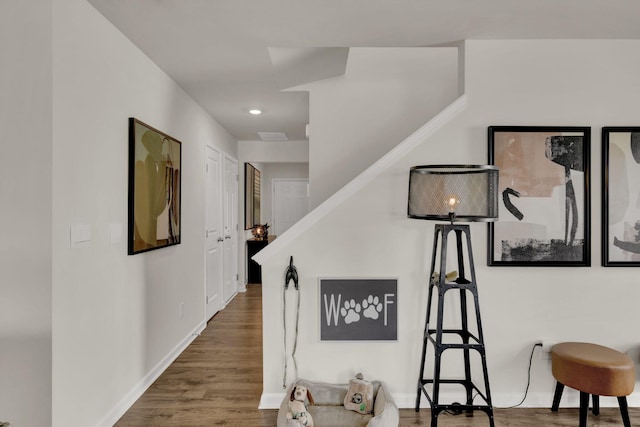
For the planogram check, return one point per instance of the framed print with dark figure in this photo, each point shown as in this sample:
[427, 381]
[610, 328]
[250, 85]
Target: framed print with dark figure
[621, 196]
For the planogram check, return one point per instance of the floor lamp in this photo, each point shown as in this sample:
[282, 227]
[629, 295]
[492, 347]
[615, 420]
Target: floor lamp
[454, 194]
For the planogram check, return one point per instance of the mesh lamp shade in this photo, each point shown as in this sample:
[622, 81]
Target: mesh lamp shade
[464, 193]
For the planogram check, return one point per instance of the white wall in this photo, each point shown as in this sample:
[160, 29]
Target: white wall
[592, 83]
[384, 95]
[273, 151]
[115, 317]
[25, 188]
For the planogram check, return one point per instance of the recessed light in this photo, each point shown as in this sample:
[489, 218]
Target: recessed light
[255, 111]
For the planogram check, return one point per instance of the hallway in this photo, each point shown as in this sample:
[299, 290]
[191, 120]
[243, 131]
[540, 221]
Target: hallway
[217, 380]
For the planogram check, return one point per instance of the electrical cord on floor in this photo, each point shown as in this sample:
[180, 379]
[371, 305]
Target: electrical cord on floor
[456, 410]
[457, 407]
[526, 390]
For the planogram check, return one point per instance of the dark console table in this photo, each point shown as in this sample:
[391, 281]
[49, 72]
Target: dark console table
[254, 273]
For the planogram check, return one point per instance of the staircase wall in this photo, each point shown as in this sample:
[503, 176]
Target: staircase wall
[551, 82]
[383, 96]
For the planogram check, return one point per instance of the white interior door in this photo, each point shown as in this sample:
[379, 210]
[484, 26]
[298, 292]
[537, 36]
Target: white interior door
[230, 222]
[214, 237]
[290, 203]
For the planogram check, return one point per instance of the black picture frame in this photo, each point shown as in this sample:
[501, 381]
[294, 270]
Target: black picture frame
[620, 196]
[545, 209]
[154, 193]
[252, 189]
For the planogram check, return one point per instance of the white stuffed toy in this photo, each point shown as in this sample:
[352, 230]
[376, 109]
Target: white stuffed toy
[297, 407]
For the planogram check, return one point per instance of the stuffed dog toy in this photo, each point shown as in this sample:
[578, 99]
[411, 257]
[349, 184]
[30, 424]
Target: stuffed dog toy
[297, 408]
[359, 397]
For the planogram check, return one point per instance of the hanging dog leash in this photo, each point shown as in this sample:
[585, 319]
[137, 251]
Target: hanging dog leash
[291, 274]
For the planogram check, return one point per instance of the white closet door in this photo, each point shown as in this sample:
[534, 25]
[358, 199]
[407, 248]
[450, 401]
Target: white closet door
[214, 237]
[230, 221]
[290, 203]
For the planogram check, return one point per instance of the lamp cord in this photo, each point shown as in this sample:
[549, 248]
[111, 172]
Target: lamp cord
[456, 411]
[526, 390]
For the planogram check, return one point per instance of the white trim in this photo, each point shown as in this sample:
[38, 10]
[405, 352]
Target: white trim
[206, 199]
[237, 233]
[130, 398]
[570, 399]
[271, 400]
[363, 179]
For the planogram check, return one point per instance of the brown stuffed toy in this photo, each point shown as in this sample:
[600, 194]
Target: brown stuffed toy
[359, 397]
[297, 408]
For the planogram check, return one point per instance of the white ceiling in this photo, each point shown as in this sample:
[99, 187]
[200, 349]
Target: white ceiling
[233, 55]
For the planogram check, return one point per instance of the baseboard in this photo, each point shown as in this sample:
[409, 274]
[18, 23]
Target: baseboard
[130, 398]
[271, 400]
[570, 399]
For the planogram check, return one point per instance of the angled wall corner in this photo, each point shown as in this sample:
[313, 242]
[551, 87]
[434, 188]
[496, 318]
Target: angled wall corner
[294, 66]
[384, 95]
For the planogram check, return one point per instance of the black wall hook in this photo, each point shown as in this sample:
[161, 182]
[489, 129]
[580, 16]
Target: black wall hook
[291, 274]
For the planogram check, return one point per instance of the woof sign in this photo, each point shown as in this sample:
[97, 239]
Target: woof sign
[358, 309]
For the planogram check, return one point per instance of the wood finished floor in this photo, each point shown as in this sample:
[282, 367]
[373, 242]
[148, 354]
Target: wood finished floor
[217, 381]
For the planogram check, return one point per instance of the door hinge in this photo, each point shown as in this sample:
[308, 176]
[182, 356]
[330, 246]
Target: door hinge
[206, 167]
[237, 276]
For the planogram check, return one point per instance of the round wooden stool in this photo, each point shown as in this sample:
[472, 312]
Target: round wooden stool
[592, 370]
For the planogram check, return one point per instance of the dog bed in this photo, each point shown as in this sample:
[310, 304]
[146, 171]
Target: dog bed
[329, 410]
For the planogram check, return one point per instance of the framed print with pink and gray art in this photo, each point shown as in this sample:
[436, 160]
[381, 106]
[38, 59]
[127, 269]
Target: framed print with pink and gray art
[544, 212]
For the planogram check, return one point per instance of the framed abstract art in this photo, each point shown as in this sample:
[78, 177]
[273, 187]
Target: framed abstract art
[621, 196]
[544, 214]
[154, 188]
[251, 196]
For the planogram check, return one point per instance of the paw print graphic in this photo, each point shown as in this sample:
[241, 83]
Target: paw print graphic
[351, 312]
[372, 307]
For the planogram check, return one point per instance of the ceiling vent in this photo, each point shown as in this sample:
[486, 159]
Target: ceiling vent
[273, 136]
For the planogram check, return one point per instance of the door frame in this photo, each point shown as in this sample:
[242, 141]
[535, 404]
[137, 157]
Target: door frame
[220, 154]
[234, 233]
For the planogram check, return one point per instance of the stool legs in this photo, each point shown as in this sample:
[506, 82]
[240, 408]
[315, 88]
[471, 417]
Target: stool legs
[557, 396]
[584, 405]
[624, 411]
[584, 408]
